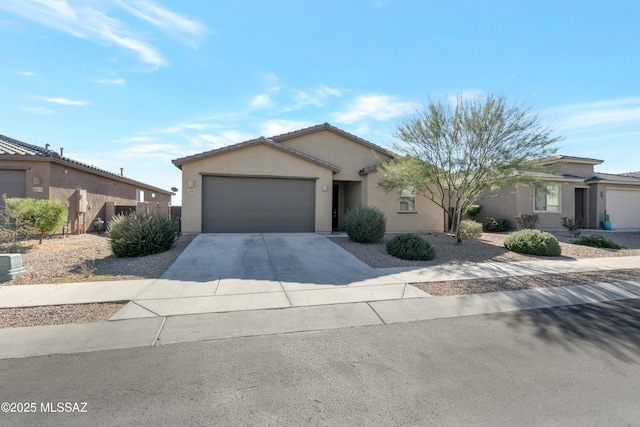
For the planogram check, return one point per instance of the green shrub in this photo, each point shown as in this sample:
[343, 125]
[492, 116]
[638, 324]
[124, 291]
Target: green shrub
[492, 225]
[410, 247]
[140, 234]
[597, 241]
[365, 224]
[526, 221]
[473, 211]
[470, 229]
[42, 215]
[533, 242]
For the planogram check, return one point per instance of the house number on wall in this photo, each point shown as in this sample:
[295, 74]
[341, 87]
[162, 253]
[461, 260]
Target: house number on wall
[38, 189]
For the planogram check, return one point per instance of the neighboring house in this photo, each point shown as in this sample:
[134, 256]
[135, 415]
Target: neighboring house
[302, 181]
[573, 190]
[30, 171]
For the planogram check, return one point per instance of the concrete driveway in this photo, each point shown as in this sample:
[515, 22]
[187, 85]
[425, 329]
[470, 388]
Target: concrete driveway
[285, 257]
[229, 272]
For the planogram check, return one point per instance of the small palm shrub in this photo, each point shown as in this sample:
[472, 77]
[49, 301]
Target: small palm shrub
[140, 234]
[473, 211]
[533, 242]
[492, 225]
[470, 229]
[410, 247]
[526, 221]
[365, 224]
[597, 241]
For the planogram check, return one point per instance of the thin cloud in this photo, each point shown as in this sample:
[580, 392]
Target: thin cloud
[26, 73]
[585, 116]
[159, 151]
[165, 20]
[261, 101]
[317, 96]
[278, 127]
[179, 127]
[117, 82]
[64, 101]
[76, 18]
[378, 107]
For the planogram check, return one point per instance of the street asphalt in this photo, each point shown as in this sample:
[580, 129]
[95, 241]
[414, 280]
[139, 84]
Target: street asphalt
[236, 285]
[565, 366]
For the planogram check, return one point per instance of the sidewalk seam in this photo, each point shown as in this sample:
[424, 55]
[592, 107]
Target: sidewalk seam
[376, 313]
[157, 337]
[275, 273]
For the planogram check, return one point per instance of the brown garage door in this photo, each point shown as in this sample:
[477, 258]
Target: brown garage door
[250, 204]
[12, 183]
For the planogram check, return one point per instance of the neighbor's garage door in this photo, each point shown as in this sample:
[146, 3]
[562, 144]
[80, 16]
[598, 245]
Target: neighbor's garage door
[623, 207]
[248, 204]
[12, 183]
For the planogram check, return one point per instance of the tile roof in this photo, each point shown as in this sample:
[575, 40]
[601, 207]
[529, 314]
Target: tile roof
[568, 159]
[262, 140]
[10, 146]
[14, 149]
[613, 178]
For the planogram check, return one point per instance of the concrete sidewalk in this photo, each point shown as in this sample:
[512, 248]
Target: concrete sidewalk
[166, 310]
[159, 330]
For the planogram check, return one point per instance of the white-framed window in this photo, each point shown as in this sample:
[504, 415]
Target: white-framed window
[547, 201]
[139, 195]
[407, 200]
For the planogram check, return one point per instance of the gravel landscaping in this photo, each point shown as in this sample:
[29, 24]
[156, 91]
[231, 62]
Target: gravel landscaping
[88, 257]
[80, 258]
[489, 248]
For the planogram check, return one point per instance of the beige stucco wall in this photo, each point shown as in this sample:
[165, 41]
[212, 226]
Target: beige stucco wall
[257, 160]
[511, 200]
[428, 216]
[50, 177]
[349, 155]
[576, 169]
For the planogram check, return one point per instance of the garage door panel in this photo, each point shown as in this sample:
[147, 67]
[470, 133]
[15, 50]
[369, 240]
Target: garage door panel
[12, 183]
[248, 204]
[623, 207]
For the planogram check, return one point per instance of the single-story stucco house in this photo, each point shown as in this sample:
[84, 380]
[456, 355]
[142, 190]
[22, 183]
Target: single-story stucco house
[302, 181]
[305, 181]
[575, 190]
[27, 170]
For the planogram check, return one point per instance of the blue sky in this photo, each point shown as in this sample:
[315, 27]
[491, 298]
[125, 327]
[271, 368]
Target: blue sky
[137, 83]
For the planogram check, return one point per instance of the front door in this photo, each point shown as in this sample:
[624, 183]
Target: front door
[579, 204]
[335, 223]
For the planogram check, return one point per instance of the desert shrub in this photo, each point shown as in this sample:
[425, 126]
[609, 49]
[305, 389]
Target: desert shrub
[140, 234]
[573, 225]
[470, 229]
[526, 221]
[410, 247]
[533, 242]
[473, 211]
[492, 225]
[597, 241]
[42, 216]
[365, 224]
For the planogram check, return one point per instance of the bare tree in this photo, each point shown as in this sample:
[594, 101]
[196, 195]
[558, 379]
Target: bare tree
[453, 154]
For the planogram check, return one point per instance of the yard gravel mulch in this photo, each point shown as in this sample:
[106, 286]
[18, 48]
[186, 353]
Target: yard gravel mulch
[80, 258]
[88, 257]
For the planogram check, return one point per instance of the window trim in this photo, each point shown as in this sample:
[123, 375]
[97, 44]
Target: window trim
[559, 187]
[403, 195]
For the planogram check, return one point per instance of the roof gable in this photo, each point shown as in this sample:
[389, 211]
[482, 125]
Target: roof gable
[326, 126]
[262, 140]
